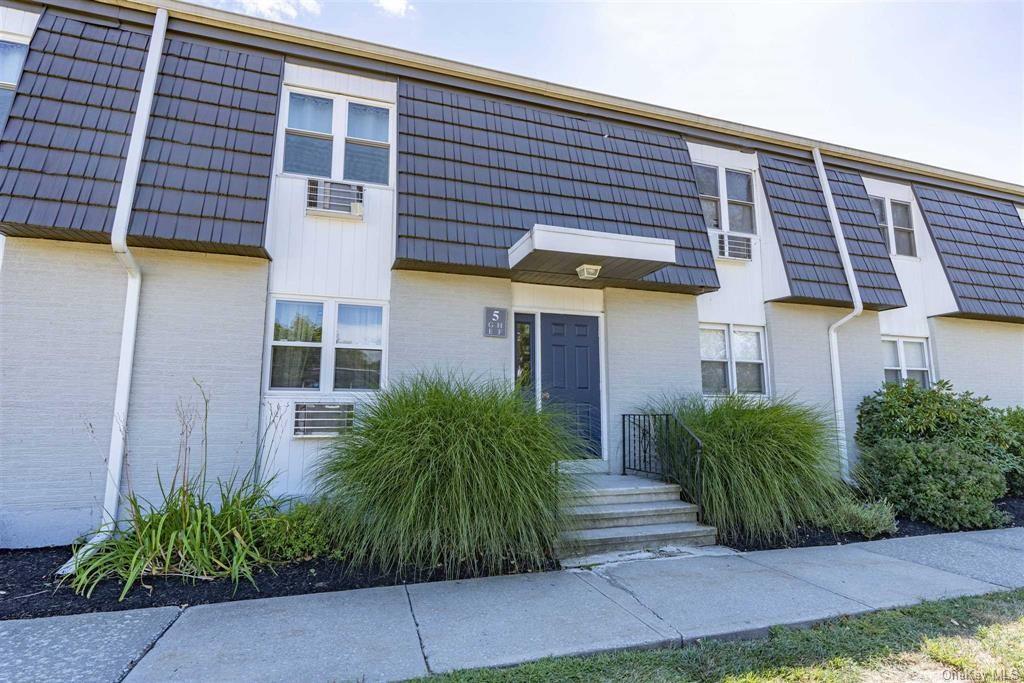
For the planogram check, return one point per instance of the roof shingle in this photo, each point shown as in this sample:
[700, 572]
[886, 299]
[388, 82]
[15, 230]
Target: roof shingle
[807, 242]
[63, 148]
[205, 174]
[980, 243]
[475, 174]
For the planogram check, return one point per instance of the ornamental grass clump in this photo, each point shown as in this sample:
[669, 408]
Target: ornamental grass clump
[440, 473]
[767, 467]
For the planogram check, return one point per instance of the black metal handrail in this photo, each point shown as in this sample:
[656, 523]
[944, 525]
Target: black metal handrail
[659, 444]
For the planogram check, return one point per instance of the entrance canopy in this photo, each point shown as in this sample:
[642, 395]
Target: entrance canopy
[549, 254]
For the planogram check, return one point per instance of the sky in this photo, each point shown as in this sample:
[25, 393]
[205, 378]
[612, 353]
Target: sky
[939, 83]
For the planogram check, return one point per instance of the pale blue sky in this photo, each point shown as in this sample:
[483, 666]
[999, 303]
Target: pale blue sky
[940, 83]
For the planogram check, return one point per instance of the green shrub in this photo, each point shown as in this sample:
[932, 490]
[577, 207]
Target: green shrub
[942, 484]
[443, 473]
[1014, 419]
[936, 414]
[299, 536]
[869, 519]
[185, 535]
[767, 465]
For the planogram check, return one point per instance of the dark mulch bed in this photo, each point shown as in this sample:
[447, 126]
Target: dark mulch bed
[28, 587]
[807, 536]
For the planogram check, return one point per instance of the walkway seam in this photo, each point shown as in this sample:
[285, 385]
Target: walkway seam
[622, 587]
[419, 636]
[810, 583]
[124, 674]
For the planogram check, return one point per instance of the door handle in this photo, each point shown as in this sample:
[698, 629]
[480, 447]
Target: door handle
[545, 396]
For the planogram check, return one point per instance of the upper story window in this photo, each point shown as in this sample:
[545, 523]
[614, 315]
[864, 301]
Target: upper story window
[735, 211]
[895, 220]
[906, 358]
[732, 360]
[312, 147]
[903, 229]
[12, 58]
[308, 141]
[299, 358]
[366, 146]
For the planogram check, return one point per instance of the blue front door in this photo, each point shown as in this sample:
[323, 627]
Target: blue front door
[571, 372]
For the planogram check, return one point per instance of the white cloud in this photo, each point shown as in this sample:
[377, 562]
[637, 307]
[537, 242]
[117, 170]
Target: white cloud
[395, 7]
[277, 10]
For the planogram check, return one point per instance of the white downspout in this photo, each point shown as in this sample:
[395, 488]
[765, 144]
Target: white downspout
[833, 329]
[119, 244]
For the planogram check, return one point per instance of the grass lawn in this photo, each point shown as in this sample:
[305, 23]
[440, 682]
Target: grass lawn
[965, 639]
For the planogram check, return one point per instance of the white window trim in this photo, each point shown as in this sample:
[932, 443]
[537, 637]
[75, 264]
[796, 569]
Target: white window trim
[328, 344]
[724, 201]
[339, 122]
[722, 183]
[730, 361]
[903, 369]
[360, 347]
[890, 227]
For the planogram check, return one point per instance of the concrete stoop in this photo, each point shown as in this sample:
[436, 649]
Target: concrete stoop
[611, 513]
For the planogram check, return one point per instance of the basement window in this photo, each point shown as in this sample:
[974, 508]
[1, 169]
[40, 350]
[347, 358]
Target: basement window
[906, 358]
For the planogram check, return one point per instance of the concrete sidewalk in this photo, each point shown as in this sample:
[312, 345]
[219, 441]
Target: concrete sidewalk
[402, 632]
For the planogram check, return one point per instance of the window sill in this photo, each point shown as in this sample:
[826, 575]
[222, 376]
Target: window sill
[299, 176]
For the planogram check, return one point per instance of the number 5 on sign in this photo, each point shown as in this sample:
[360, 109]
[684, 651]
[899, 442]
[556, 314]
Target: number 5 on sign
[495, 322]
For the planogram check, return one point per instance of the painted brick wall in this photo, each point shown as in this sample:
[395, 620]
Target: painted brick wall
[60, 325]
[799, 358]
[61, 306]
[201, 320]
[984, 357]
[653, 348]
[437, 323]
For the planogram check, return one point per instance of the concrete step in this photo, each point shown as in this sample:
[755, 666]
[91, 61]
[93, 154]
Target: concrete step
[631, 514]
[624, 494]
[586, 541]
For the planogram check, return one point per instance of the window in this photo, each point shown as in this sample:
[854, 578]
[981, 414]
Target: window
[902, 229]
[739, 198]
[366, 145]
[732, 360]
[12, 57]
[309, 139]
[740, 191]
[524, 350]
[881, 216]
[894, 218]
[359, 347]
[313, 339]
[906, 358]
[296, 347]
[707, 188]
[308, 143]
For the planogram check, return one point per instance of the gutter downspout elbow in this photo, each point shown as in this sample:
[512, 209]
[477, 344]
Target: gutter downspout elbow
[133, 292]
[833, 329]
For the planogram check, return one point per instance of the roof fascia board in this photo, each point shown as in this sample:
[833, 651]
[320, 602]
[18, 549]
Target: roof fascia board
[397, 62]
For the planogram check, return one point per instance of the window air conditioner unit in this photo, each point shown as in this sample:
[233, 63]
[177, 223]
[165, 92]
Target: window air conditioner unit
[330, 198]
[733, 246]
[322, 419]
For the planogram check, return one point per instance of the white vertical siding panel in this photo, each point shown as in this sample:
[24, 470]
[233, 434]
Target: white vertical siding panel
[338, 82]
[17, 25]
